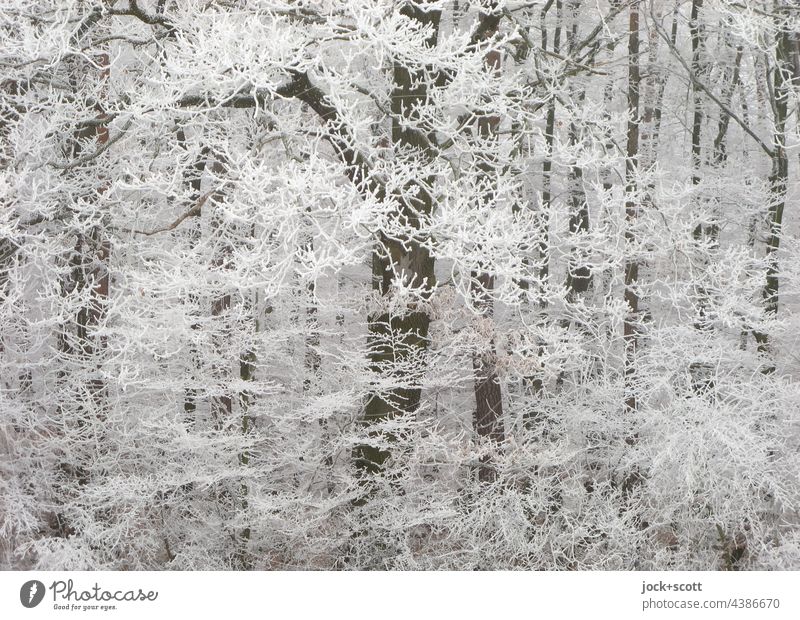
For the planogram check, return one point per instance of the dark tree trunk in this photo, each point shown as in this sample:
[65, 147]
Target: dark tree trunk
[696, 31]
[547, 164]
[488, 395]
[222, 403]
[700, 371]
[579, 276]
[631, 296]
[193, 178]
[247, 371]
[397, 343]
[89, 262]
[781, 75]
[543, 225]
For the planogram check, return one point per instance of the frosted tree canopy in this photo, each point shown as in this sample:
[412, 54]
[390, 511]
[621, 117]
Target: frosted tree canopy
[373, 284]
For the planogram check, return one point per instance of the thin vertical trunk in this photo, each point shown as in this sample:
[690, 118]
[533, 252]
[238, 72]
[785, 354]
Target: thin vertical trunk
[312, 358]
[542, 221]
[222, 403]
[781, 84]
[233, 497]
[97, 275]
[547, 164]
[247, 370]
[579, 276]
[700, 371]
[720, 150]
[794, 55]
[91, 317]
[654, 107]
[696, 32]
[8, 246]
[193, 178]
[311, 379]
[488, 394]
[652, 89]
[631, 296]
[780, 172]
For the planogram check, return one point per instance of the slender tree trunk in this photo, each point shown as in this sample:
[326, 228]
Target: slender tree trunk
[631, 296]
[312, 358]
[696, 30]
[579, 276]
[247, 371]
[651, 95]
[193, 178]
[720, 149]
[488, 394]
[700, 371]
[702, 381]
[542, 221]
[547, 164]
[91, 317]
[654, 107]
[781, 84]
[222, 403]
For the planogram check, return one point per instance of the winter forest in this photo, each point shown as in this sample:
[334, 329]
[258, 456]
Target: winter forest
[373, 284]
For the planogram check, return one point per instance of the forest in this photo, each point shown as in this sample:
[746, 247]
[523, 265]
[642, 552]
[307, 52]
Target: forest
[399, 285]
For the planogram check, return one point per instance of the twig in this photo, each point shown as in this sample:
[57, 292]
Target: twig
[193, 211]
[696, 81]
[90, 156]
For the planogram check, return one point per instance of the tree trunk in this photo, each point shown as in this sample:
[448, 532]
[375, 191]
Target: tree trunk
[631, 296]
[193, 178]
[700, 371]
[488, 395]
[542, 221]
[579, 276]
[398, 341]
[89, 261]
[222, 403]
[781, 76]
[247, 370]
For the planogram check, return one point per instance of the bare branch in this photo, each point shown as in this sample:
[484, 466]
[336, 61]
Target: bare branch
[699, 84]
[195, 210]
